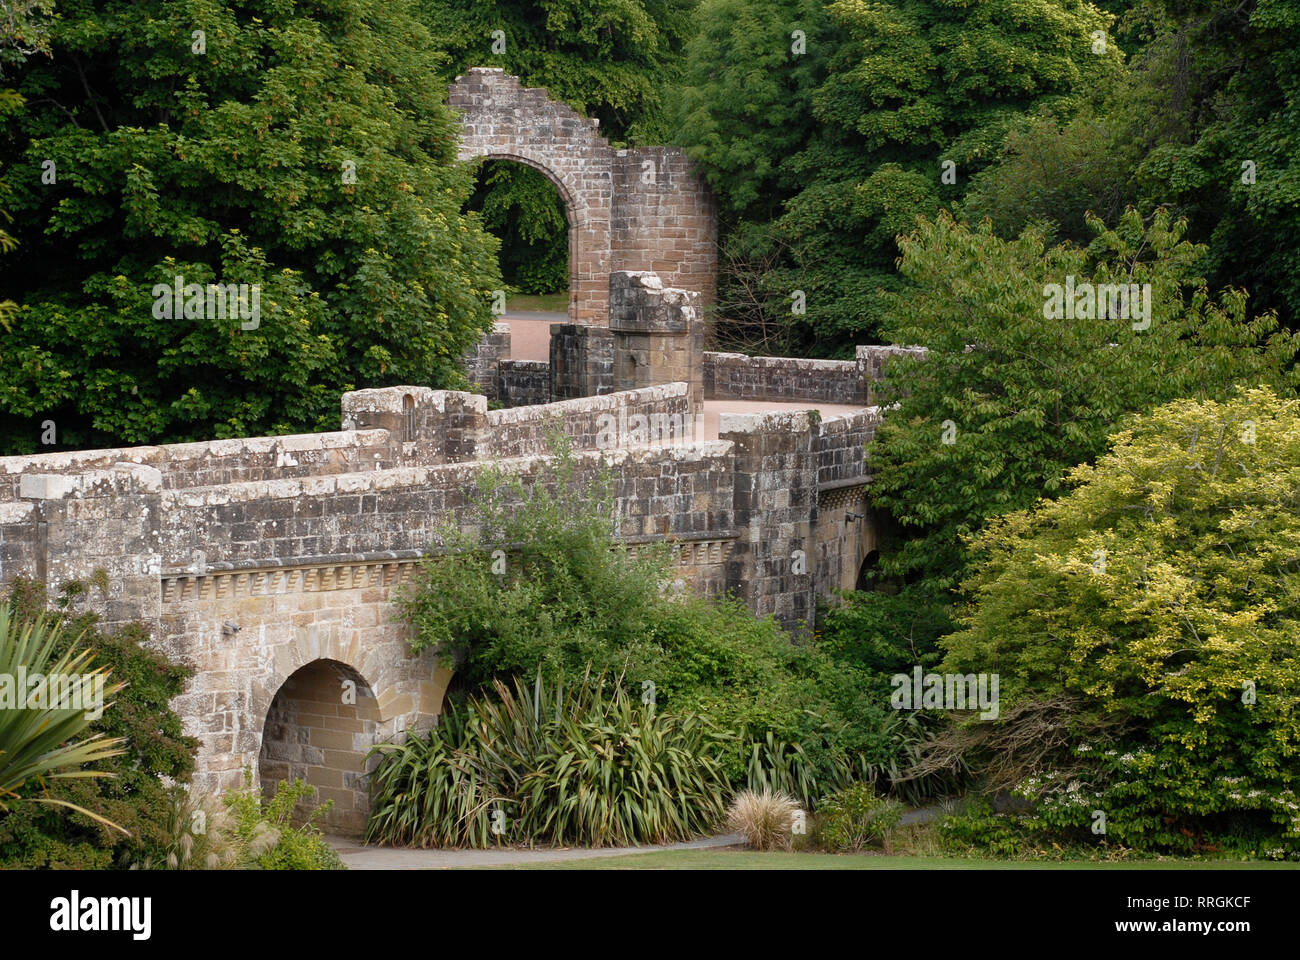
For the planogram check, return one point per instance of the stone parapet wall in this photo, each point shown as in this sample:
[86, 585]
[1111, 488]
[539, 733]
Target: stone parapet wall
[775, 513]
[123, 519]
[523, 383]
[840, 448]
[217, 461]
[736, 376]
[525, 431]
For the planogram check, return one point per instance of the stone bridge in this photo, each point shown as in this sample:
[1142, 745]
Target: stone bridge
[270, 565]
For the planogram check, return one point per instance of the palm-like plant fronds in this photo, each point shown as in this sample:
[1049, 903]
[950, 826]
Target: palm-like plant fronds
[586, 764]
[36, 741]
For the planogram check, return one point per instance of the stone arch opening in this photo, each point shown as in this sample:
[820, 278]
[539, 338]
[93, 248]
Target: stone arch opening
[321, 724]
[867, 571]
[641, 208]
[566, 201]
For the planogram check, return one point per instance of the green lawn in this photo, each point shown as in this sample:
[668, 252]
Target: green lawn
[753, 860]
[557, 302]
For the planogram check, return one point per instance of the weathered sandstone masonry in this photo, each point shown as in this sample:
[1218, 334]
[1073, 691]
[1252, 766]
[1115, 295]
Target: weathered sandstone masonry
[636, 209]
[252, 560]
[655, 336]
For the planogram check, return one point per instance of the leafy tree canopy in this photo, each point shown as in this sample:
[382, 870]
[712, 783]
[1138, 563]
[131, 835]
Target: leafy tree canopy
[833, 152]
[1158, 598]
[1007, 401]
[301, 148]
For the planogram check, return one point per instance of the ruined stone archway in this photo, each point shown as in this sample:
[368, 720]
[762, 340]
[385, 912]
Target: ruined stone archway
[634, 209]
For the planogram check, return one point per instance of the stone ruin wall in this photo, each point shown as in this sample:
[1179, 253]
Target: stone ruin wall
[639, 209]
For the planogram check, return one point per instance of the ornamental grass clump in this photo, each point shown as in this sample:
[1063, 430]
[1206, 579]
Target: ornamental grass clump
[765, 819]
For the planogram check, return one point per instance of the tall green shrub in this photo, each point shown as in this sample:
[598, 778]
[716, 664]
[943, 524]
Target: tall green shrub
[1144, 629]
[540, 584]
[136, 795]
[1007, 400]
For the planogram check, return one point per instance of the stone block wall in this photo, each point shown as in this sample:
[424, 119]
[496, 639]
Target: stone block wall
[481, 363]
[582, 361]
[736, 376]
[522, 383]
[320, 727]
[664, 219]
[99, 520]
[220, 461]
[658, 334]
[775, 513]
[525, 431]
[840, 445]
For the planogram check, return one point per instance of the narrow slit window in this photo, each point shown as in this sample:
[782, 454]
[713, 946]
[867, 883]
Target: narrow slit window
[408, 418]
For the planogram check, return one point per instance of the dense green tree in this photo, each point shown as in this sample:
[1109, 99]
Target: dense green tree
[1203, 122]
[1054, 173]
[1143, 626]
[1221, 81]
[304, 148]
[885, 95]
[609, 59]
[1007, 401]
[24, 31]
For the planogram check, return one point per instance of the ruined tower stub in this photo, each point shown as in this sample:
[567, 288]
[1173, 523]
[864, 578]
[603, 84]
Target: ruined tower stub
[635, 209]
[658, 334]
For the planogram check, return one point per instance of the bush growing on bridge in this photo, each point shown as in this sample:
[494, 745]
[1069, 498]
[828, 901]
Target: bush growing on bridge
[1144, 627]
[570, 599]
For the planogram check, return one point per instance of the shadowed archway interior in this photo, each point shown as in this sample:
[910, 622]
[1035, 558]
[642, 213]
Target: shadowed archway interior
[322, 723]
